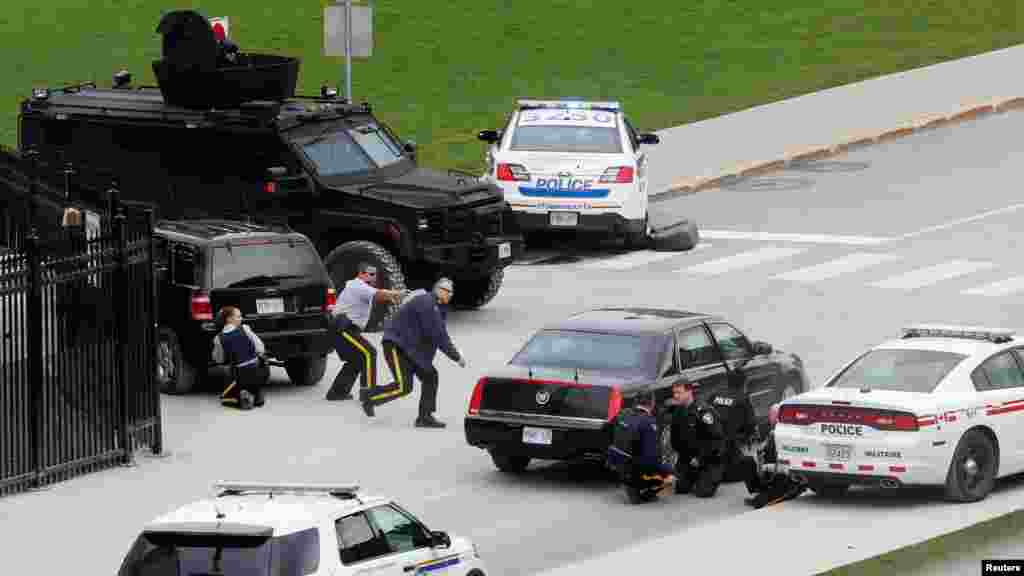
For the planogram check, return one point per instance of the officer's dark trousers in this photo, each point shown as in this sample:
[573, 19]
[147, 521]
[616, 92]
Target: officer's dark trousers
[774, 489]
[403, 369]
[360, 358]
[702, 481]
[249, 379]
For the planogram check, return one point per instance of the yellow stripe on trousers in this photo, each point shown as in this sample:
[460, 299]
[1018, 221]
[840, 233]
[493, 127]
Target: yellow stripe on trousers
[228, 389]
[370, 372]
[398, 374]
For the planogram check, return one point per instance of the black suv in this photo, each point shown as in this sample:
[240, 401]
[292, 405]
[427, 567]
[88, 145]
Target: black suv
[273, 275]
[235, 141]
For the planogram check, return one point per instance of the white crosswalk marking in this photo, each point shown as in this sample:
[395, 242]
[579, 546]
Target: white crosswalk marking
[846, 264]
[635, 259]
[742, 260]
[922, 277]
[1001, 288]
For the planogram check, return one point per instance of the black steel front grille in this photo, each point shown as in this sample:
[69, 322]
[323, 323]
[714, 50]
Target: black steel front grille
[462, 225]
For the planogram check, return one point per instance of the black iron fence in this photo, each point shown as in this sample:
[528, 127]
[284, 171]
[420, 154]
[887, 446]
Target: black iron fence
[77, 339]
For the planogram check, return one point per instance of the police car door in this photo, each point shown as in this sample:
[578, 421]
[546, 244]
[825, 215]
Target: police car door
[639, 157]
[1005, 387]
[761, 371]
[411, 543]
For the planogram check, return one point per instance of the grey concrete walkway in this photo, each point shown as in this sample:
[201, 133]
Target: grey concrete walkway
[722, 145]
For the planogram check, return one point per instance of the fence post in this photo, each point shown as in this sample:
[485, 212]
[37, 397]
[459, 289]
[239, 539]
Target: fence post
[35, 353]
[154, 334]
[31, 157]
[119, 237]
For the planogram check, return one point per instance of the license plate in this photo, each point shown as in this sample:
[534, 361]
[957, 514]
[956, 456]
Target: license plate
[564, 218]
[504, 250]
[840, 452]
[270, 306]
[536, 436]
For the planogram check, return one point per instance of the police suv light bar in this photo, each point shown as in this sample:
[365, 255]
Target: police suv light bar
[529, 103]
[952, 331]
[290, 487]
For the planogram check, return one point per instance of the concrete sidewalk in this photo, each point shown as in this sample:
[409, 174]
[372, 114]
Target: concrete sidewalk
[698, 155]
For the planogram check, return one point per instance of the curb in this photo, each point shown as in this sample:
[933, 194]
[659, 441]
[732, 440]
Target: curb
[965, 113]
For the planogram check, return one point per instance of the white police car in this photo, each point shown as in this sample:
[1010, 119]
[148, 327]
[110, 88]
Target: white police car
[260, 529]
[944, 405]
[566, 164]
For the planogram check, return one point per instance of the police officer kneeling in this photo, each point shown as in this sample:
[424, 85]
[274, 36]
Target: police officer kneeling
[768, 485]
[634, 451]
[739, 424]
[698, 439]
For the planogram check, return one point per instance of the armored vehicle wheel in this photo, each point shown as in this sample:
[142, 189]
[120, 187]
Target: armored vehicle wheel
[474, 293]
[306, 370]
[342, 262]
[174, 373]
[677, 237]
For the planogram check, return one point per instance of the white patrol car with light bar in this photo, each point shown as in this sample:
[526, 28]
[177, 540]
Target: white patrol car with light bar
[944, 405]
[569, 164]
[265, 529]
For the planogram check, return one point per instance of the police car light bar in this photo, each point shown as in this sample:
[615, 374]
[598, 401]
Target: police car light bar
[530, 103]
[952, 331]
[289, 487]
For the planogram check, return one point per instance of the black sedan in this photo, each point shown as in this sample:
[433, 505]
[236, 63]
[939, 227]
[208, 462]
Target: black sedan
[556, 398]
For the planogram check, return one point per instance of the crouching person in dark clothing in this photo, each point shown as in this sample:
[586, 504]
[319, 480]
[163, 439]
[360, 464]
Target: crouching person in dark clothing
[768, 485]
[698, 438]
[634, 452]
[242, 350]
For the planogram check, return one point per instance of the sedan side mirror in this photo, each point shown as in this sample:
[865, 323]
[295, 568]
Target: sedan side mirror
[491, 136]
[440, 540]
[762, 348]
[649, 139]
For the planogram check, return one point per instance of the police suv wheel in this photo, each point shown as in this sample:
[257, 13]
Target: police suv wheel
[477, 292]
[306, 370]
[343, 261]
[174, 374]
[972, 471]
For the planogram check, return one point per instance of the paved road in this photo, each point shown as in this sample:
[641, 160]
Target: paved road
[557, 515]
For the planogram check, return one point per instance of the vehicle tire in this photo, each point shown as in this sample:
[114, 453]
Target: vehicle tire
[677, 237]
[510, 464]
[342, 262]
[174, 373]
[477, 292]
[634, 495]
[972, 471]
[829, 490]
[638, 240]
[306, 370]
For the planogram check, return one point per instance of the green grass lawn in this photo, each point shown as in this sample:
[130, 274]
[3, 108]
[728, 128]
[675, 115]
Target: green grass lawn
[441, 71]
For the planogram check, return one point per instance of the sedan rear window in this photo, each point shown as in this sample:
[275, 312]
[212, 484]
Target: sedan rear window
[898, 370]
[262, 263]
[589, 351]
[566, 139]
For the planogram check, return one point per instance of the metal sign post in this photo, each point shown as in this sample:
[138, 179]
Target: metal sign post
[348, 32]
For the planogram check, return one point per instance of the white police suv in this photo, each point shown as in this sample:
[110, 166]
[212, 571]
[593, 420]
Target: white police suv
[569, 164]
[943, 405]
[260, 529]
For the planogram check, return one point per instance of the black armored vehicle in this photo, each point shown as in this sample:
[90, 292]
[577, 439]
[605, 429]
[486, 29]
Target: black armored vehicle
[230, 140]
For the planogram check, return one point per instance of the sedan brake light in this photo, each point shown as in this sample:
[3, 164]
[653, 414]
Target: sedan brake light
[614, 403]
[618, 175]
[888, 420]
[477, 397]
[331, 300]
[512, 172]
[202, 308]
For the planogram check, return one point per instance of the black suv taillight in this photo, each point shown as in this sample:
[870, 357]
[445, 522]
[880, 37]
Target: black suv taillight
[202, 309]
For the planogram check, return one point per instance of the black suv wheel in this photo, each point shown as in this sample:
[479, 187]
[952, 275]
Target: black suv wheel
[174, 373]
[342, 263]
[306, 370]
[474, 293]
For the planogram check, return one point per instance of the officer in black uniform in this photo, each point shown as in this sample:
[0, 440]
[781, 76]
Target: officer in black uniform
[634, 451]
[698, 439]
[739, 424]
[767, 484]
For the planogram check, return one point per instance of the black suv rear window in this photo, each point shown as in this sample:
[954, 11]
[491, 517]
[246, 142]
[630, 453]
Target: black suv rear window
[277, 260]
[296, 554]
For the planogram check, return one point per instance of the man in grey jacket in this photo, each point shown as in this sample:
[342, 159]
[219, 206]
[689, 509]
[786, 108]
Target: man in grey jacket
[412, 337]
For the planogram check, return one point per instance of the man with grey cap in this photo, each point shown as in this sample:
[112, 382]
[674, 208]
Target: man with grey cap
[411, 339]
[351, 314]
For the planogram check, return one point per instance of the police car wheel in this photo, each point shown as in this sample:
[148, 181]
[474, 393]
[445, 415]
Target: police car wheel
[972, 470]
[678, 237]
[174, 374]
[830, 490]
